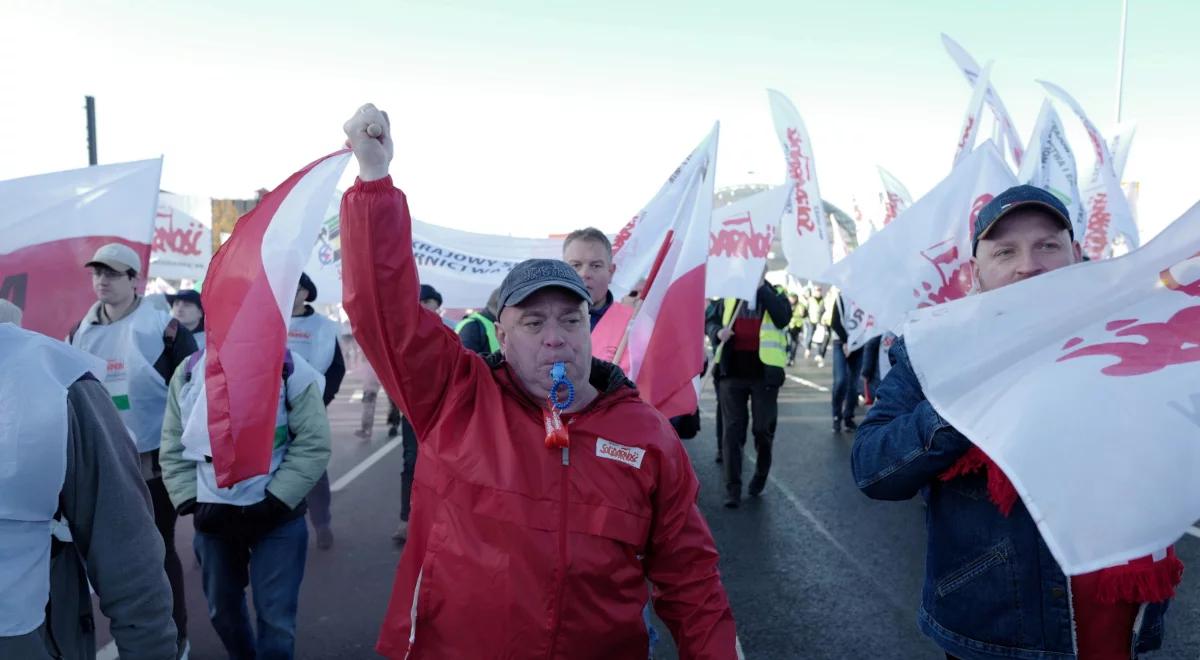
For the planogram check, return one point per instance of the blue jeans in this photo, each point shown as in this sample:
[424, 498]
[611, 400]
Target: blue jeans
[272, 564]
[650, 629]
[846, 374]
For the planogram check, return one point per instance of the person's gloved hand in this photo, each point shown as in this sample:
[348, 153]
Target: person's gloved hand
[265, 515]
[369, 135]
[186, 508]
[215, 519]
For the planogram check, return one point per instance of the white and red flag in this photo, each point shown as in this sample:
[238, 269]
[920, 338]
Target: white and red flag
[182, 244]
[248, 296]
[739, 242]
[1108, 213]
[1122, 140]
[805, 229]
[1118, 338]
[52, 224]
[923, 258]
[971, 70]
[666, 338]
[1050, 164]
[636, 246]
[896, 197]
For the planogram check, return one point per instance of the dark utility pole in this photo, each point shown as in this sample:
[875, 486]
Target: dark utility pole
[91, 128]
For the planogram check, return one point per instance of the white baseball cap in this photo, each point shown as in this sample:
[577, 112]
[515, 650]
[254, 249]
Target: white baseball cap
[118, 257]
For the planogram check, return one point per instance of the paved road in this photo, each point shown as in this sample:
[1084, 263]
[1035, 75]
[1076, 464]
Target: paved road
[813, 568]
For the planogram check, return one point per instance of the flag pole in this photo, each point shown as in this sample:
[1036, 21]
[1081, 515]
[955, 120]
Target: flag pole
[736, 308]
[1121, 58]
[637, 305]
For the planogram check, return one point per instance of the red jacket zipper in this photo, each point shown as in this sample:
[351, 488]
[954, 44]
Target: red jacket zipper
[562, 552]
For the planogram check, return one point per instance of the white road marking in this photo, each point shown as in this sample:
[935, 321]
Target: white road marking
[357, 471]
[738, 646]
[109, 652]
[357, 396]
[820, 527]
[807, 383]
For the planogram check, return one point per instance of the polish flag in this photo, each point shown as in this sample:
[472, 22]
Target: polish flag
[52, 224]
[666, 340]
[248, 296]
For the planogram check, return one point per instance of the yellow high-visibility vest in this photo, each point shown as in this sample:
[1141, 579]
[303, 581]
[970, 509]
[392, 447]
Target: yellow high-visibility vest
[772, 342]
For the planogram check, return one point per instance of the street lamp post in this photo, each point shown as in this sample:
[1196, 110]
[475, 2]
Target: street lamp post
[1121, 58]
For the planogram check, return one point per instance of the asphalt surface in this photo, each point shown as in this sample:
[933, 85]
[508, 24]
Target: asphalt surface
[813, 568]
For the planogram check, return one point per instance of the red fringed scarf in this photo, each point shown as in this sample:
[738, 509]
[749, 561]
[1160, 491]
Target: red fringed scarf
[1142, 580]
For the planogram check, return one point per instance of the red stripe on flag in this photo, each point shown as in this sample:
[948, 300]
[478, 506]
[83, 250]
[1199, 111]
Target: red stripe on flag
[674, 354]
[50, 284]
[245, 336]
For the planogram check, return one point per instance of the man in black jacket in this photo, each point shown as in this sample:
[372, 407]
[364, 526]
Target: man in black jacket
[478, 330]
[751, 354]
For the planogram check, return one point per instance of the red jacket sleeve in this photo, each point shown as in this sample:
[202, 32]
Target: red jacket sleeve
[416, 356]
[681, 562]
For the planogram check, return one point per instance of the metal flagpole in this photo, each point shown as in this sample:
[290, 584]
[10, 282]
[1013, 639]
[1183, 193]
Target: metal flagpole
[1121, 58]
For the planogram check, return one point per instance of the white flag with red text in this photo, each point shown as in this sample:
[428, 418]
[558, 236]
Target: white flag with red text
[1012, 145]
[52, 224]
[1119, 338]
[1108, 213]
[896, 196]
[923, 257]
[1050, 164]
[1122, 140]
[666, 338]
[182, 244]
[739, 242]
[805, 229]
[974, 115]
[248, 296]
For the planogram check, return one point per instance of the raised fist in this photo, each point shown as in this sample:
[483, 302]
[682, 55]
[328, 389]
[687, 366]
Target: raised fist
[369, 134]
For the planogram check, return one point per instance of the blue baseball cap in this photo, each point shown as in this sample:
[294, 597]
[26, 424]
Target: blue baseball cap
[1019, 197]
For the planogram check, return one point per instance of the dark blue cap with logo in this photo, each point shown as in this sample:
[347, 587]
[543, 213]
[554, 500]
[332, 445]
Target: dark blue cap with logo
[536, 274]
[1019, 197]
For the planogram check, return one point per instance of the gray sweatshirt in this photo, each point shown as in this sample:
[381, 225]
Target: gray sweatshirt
[116, 545]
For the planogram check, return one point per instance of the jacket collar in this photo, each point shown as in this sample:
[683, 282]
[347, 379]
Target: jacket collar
[608, 379]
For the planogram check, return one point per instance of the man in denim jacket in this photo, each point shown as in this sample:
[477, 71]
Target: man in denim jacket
[992, 588]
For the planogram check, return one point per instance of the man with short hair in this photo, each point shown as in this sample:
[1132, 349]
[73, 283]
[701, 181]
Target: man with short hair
[315, 338]
[589, 252]
[549, 492]
[74, 509]
[142, 346]
[189, 311]
[992, 588]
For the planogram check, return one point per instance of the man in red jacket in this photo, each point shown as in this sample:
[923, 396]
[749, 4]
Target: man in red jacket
[524, 540]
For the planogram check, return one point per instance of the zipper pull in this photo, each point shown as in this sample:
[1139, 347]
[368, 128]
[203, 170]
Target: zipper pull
[566, 456]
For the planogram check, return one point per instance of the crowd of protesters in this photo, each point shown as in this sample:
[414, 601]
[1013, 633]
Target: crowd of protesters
[546, 509]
